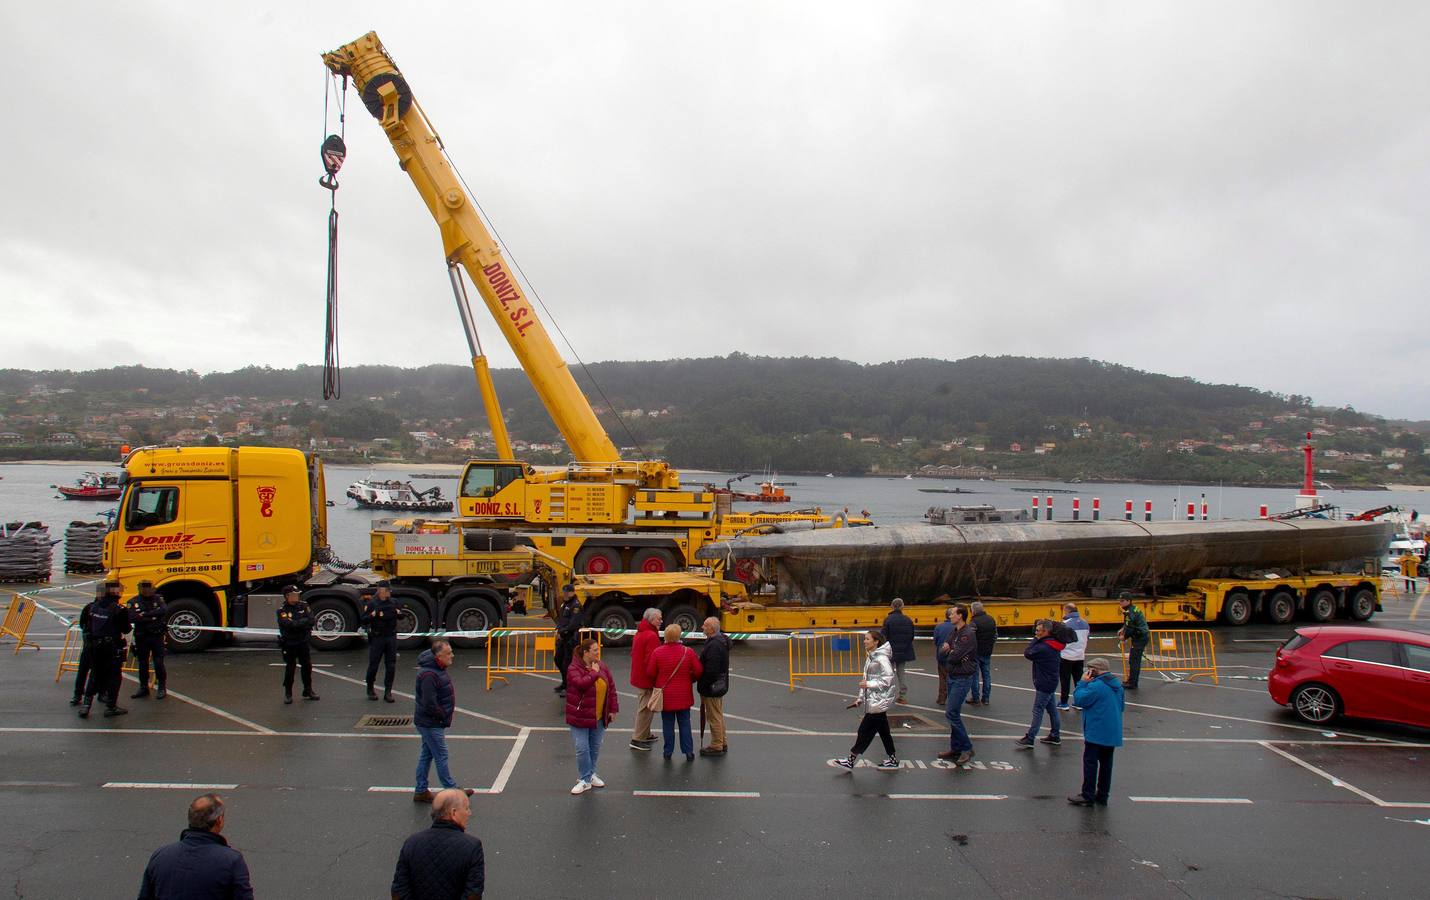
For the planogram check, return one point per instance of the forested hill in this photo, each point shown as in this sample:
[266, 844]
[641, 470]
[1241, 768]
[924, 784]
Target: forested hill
[743, 412]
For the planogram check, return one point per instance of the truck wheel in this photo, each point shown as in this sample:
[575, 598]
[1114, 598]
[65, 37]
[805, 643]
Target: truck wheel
[471, 614]
[598, 561]
[651, 559]
[1362, 605]
[184, 615]
[1280, 607]
[613, 620]
[1315, 703]
[1236, 609]
[478, 539]
[684, 615]
[1321, 605]
[412, 615]
[330, 616]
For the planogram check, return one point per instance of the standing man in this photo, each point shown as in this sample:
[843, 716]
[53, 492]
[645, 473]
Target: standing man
[1099, 696]
[568, 629]
[960, 659]
[941, 634]
[295, 627]
[86, 653]
[1046, 653]
[106, 625]
[986, 628]
[713, 685]
[379, 616]
[436, 701]
[1070, 668]
[646, 640]
[150, 616]
[442, 861]
[200, 863]
[899, 632]
[1135, 632]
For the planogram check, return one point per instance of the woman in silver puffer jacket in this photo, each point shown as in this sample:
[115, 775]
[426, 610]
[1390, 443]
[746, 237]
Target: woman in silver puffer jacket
[876, 693]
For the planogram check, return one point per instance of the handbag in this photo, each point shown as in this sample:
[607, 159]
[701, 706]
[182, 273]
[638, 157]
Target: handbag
[656, 701]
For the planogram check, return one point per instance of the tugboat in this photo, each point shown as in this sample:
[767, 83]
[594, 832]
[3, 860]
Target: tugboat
[399, 495]
[92, 486]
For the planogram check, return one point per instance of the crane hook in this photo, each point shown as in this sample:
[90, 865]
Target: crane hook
[334, 152]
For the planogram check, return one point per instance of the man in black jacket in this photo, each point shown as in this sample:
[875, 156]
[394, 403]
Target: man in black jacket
[295, 627]
[105, 622]
[899, 632]
[200, 864]
[86, 653]
[987, 631]
[568, 629]
[442, 862]
[379, 616]
[150, 616]
[713, 685]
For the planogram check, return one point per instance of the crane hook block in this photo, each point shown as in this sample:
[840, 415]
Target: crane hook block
[334, 152]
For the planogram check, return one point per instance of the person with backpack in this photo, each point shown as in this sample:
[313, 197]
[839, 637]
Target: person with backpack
[105, 622]
[899, 632]
[1074, 651]
[1045, 651]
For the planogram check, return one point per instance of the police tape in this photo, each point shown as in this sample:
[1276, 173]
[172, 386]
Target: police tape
[499, 632]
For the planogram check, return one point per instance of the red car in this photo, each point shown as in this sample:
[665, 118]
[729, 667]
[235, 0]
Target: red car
[1366, 673]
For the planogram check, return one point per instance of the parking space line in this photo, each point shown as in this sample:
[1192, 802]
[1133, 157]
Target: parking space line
[465, 712]
[1342, 783]
[223, 713]
[1240, 800]
[222, 732]
[510, 765]
[947, 796]
[728, 715]
[168, 786]
[740, 795]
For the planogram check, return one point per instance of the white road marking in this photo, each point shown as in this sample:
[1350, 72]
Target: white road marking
[744, 795]
[391, 790]
[280, 665]
[218, 732]
[1189, 800]
[1342, 783]
[239, 720]
[39, 784]
[465, 712]
[728, 715]
[510, 765]
[947, 796]
[168, 786]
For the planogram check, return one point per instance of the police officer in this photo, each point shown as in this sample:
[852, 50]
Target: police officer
[86, 654]
[568, 629]
[150, 616]
[295, 627]
[379, 616]
[105, 622]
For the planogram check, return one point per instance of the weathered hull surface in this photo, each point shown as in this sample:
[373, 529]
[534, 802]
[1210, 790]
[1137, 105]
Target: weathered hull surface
[872, 565]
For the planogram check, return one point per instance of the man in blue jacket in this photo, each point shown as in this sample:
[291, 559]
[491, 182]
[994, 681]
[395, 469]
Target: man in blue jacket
[436, 702]
[200, 864]
[899, 632]
[1100, 697]
[1046, 653]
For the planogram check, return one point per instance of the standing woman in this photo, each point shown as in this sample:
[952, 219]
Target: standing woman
[590, 706]
[876, 693]
[674, 667]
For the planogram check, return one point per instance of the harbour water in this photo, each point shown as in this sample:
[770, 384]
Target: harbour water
[27, 495]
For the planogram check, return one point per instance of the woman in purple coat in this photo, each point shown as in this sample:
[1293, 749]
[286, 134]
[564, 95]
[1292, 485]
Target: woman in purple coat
[591, 704]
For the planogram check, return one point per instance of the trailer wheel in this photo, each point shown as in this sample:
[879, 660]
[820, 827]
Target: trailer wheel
[1280, 607]
[1236, 610]
[684, 615]
[1321, 605]
[598, 561]
[1362, 605]
[652, 559]
[185, 617]
[412, 616]
[330, 616]
[613, 620]
[471, 614]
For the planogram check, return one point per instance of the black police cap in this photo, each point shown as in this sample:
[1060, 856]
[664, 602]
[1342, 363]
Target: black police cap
[292, 589]
[384, 583]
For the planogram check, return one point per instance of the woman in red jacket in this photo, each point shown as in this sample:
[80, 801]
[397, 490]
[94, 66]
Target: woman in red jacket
[590, 706]
[673, 667]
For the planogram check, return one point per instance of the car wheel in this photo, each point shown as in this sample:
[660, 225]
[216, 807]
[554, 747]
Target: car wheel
[651, 559]
[1316, 703]
[186, 616]
[1281, 607]
[598, 561]
[1237, 608]
[614, 620]
[471, 614]
[331, 617]
[1362, 605]
[1321, 605]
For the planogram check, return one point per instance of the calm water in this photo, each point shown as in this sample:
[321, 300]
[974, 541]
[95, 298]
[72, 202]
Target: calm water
[26, 495]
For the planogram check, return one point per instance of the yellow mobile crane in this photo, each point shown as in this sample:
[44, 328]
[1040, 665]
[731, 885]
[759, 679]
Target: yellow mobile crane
[600, 514]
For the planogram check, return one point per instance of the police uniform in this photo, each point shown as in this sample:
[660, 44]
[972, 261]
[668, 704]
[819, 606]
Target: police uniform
[568, 629]
[105, 625]
[295, 627]
[86, 654]
[150, 616]
[379, 616]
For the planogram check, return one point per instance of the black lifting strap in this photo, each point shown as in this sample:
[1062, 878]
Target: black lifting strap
[334, 151]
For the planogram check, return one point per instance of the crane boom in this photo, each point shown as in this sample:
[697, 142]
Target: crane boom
[466, 240]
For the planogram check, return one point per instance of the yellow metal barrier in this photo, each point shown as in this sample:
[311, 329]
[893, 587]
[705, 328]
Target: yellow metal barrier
[17, 621]
[526, 651]
[1191, 652]
[817, 654]
[74, 644]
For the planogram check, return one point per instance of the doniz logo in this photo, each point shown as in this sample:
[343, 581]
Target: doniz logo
[166, 541]
[265, 501]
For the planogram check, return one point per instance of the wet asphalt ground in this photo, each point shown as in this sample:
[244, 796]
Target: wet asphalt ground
[1217, 793]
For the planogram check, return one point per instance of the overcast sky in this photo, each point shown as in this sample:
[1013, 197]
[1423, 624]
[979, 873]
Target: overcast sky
[1235, 192]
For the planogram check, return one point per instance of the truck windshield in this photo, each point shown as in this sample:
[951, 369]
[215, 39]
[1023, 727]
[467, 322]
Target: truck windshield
[148, 506]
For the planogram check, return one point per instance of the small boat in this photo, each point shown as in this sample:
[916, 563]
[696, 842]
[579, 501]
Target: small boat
[946, 491]
[92, 486]
[370, 493]
[828, 474]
